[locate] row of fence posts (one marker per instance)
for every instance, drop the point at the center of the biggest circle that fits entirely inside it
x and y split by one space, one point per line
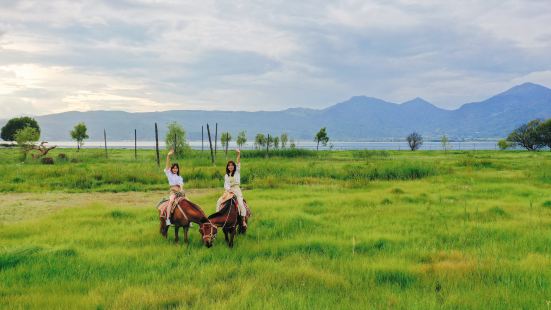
157 152
213 151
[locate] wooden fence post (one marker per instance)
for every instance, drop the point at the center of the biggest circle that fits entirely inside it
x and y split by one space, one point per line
210 144
215 139
135 144
105 141
157 145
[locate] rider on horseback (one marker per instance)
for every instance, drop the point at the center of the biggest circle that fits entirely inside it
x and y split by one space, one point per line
232 179
176 184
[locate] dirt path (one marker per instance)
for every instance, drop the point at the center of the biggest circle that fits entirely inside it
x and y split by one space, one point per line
15 207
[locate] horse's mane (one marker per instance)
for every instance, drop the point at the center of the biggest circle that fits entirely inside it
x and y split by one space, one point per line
222 211
196 207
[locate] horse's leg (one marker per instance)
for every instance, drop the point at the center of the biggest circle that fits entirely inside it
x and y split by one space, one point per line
163 228
232 235
176 229
226 235
186 240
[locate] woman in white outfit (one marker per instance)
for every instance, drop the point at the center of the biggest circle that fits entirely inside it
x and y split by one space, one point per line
176 183
232 180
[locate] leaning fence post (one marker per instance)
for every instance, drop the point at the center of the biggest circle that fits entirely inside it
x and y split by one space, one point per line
210 144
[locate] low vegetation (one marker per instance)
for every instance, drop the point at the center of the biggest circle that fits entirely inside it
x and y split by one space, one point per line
354 230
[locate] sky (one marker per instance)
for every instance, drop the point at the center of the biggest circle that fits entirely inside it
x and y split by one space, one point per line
146 55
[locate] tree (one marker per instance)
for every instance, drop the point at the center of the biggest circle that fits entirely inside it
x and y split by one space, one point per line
176 139
276 142
225 139
292 144
241 139
503 144
445 142
269 141
284 139
259 141
79 134
322 137
25 138
545 132
528 136
415 141
15 124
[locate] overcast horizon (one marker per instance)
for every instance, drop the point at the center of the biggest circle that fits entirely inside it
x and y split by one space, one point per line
146 56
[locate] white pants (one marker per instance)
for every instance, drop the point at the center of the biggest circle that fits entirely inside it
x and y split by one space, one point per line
240 204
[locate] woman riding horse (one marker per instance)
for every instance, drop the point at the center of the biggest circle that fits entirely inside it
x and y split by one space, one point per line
176 185
187 212
232 179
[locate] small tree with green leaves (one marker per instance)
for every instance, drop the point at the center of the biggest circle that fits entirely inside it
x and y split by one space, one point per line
415 141
176 139
259 141
503 144
241 139
225 139
269 141
25 139
322 137
445 142
292 144
276 142
79 134
284 139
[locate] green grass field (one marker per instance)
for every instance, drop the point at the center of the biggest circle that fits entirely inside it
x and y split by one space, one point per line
339 230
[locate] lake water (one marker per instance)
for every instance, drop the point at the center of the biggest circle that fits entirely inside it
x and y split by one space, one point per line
335 145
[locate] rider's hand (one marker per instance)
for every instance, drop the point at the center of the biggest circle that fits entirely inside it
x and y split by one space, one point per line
171 152
238 151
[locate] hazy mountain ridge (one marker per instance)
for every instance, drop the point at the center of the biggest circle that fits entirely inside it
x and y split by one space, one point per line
359 118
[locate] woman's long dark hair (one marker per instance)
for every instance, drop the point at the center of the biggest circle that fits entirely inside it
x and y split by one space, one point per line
228 169
177 166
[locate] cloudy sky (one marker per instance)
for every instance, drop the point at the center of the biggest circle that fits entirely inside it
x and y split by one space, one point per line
150 55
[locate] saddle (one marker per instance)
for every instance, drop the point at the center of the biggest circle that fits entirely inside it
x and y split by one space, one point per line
227 196
164 202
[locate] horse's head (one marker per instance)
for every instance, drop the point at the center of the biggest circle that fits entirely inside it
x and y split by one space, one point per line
208 231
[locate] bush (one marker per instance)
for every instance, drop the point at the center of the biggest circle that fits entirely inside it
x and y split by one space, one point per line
47 161
503 144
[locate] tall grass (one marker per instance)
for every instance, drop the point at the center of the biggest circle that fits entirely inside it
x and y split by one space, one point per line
345 230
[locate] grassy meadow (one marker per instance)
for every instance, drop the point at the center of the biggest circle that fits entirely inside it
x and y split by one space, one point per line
330 230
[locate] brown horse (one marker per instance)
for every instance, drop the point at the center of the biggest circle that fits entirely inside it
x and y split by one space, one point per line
228 218
185 213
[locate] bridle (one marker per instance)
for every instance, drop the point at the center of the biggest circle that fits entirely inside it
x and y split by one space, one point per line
212 235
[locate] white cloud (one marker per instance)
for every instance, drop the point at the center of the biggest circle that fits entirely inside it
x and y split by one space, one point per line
157 55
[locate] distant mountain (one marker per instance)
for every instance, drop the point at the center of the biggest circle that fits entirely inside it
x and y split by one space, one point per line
359 118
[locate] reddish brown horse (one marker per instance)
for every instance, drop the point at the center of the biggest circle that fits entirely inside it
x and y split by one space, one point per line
185 213
229 219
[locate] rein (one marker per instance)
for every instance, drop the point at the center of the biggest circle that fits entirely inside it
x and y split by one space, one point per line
228 215
211 234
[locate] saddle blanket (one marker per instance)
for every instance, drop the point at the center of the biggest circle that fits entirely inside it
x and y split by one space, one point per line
164 202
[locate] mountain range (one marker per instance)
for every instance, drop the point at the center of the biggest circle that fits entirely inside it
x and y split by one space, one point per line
360 118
